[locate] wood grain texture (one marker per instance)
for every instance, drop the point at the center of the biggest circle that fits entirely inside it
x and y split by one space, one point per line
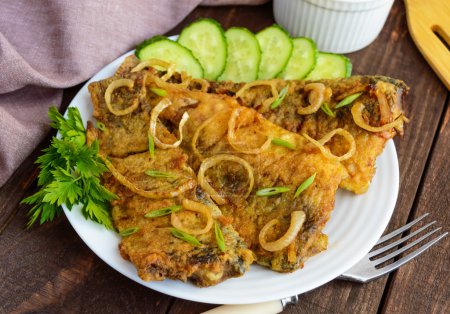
422 286
49 269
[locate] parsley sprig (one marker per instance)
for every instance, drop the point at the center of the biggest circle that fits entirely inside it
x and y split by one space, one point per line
70 174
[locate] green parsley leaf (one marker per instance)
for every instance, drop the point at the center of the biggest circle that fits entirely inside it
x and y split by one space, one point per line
70 174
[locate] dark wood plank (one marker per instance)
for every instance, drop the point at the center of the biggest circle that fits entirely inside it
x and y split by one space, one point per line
422 285
48 269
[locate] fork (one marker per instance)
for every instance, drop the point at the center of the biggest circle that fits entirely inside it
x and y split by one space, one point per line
367 269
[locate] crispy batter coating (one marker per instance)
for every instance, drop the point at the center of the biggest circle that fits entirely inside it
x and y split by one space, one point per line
154 251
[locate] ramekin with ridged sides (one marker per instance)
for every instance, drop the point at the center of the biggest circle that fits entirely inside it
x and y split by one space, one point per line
339 26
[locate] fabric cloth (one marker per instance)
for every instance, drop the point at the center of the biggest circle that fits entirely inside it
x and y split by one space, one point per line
49 45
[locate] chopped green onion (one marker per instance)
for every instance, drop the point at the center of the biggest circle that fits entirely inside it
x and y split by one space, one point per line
347 100
185 237
101 126
159 174
280 142
219 237
327 110
305 185
158 91
151 145
280 97
129 231
272 191
163 211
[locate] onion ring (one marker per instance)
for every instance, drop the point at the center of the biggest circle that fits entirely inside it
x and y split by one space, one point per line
188 185
195 207
108 96
197 133
163 104
320 144
214 160
297 220
315 98
232 128
266 102
357 110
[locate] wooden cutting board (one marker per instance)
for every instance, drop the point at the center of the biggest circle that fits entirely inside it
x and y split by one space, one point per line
429 25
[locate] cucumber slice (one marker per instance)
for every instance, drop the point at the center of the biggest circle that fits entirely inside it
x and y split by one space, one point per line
206 40
276 47
330 66
302 61
244 56
160 47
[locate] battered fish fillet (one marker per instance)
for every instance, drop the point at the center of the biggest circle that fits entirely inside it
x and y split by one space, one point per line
274 166
155 252
369 145
379 95
125 140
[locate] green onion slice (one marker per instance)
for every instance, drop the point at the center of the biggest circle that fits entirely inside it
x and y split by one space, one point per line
280 142
347 100
327 110
159 174
185 237
305 185
129 231
158 91
101 126
163 211
219 237
280 97
151 145
272 191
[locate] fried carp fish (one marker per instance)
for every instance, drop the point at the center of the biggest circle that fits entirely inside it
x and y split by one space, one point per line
377 105
154 191
222 146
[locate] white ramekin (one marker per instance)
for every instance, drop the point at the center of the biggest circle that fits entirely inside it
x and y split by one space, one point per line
339 26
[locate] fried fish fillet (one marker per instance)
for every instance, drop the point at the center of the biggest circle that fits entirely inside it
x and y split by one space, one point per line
274 166
125 139
382 96
155 252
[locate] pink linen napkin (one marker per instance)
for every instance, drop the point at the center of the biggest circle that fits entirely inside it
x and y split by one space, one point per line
53 44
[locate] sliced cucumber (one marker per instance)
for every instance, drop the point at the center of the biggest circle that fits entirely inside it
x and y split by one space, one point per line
276 48
243 57
330 66
206 40
162 48
302 61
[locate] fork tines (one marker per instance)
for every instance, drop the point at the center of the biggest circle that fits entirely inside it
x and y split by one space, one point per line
403 260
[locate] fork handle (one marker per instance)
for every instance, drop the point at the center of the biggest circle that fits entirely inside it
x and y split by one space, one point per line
271 307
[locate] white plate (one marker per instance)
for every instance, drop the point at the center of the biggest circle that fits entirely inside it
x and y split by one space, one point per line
356 224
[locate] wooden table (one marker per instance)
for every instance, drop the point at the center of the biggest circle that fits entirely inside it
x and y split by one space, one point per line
49 269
